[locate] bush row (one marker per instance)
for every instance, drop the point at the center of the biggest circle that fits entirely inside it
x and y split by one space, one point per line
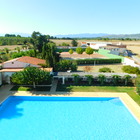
98 61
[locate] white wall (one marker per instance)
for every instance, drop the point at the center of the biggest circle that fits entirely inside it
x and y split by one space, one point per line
130 62
6 76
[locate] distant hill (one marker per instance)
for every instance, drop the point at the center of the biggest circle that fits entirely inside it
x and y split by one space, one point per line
84 35
133 36
103 35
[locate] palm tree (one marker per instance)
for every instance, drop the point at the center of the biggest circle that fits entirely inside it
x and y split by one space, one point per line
115 79
76 78
101 78
127 79
89 78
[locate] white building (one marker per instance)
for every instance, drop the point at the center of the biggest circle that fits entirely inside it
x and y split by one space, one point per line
95 45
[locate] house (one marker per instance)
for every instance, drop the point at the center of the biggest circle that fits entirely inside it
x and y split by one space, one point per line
18 64
23 62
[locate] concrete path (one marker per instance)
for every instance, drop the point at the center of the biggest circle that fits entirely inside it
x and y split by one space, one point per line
54 85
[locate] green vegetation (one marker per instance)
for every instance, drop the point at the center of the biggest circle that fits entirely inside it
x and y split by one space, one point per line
137 83
64 44
101 79
89 51
105 69
27 88
14 40
131 69
97 61
71 51
129 90
76 78
31 76
89 79
64 65
50 55
74 43
79 50
38 40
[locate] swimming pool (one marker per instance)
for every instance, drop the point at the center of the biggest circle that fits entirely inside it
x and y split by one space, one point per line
66 118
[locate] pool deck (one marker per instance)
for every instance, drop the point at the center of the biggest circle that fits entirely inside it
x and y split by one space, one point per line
133 107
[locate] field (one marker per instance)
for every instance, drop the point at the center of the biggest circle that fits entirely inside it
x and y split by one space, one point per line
116 68
134 46
11 47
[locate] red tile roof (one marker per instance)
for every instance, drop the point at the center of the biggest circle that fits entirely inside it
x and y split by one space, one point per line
31 60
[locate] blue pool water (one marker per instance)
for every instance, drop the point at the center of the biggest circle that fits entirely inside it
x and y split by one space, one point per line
66 118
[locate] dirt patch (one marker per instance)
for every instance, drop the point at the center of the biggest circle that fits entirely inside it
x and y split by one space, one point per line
79 56
11 47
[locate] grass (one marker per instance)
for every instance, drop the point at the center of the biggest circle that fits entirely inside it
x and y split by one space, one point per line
129 90
21 88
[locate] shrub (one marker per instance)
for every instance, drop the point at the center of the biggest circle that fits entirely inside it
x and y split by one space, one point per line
87 68
104 69
79 50
131 69
65 44
89 50
98 61
71 51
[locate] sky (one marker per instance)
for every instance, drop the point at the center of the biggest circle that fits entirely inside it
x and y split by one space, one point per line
56 17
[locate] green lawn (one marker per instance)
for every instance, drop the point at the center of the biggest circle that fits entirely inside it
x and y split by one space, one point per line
129 90
21 88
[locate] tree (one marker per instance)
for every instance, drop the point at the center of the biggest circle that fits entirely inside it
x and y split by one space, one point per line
71 51
31 76
127 79
79 50
89 51
52 57
38 40
89 78
64 65
115 79
137 84
74 43
6 50
76 78
101 79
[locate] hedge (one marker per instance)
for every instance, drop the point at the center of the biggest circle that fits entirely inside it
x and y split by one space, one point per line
98 61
